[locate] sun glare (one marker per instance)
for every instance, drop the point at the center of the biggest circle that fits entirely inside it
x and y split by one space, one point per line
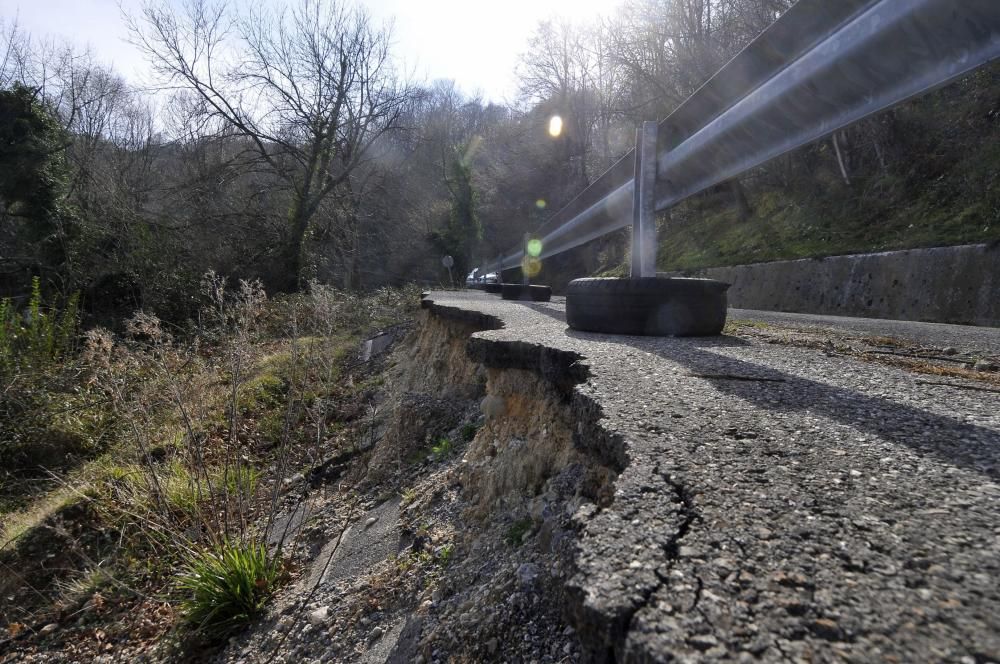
555 126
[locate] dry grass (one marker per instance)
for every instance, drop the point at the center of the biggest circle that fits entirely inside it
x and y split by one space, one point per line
903 354
207 426
14 525
930 368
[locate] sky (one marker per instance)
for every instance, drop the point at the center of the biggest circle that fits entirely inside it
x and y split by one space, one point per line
474 42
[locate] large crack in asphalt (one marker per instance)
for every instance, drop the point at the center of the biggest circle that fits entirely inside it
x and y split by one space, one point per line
621 650
836 511
605 631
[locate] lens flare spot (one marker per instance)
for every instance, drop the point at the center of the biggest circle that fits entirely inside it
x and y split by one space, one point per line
540 204
534 248
531 266
555 126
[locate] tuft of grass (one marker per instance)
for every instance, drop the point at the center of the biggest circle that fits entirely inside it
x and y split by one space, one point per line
182 490
266 392
240 480
227 587
443 449
444 554
469 431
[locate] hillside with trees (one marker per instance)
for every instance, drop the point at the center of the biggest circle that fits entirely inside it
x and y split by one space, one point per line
287 146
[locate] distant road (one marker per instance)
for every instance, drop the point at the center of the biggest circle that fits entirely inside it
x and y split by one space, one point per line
966 338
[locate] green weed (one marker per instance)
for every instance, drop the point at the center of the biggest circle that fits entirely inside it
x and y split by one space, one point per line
443 449
469 431
39 338
444 554
227 586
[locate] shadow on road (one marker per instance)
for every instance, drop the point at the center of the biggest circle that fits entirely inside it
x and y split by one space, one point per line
928 433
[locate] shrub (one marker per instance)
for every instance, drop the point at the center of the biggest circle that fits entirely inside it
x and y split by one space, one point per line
227 586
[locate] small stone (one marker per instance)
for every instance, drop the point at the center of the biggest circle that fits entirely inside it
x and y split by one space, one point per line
949 351
725 566
790 579
763 533
826 628
48 629
319 616
371 522
375 634
491 646
984 365
703 641
527 574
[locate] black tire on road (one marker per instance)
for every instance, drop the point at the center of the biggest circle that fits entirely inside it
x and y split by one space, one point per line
655 306
523 292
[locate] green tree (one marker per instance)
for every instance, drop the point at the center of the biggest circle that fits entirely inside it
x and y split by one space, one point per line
34 224
462 231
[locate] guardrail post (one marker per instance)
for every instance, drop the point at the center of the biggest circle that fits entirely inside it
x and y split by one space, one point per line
644 202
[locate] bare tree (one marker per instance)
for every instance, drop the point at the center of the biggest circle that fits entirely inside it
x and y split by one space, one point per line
556 71
15 60
311 87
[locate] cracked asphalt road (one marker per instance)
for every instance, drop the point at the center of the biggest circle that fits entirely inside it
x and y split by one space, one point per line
773 502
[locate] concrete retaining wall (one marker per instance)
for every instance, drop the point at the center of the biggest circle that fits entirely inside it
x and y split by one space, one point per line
943 285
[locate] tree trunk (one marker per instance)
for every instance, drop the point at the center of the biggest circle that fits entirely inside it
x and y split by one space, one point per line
295 279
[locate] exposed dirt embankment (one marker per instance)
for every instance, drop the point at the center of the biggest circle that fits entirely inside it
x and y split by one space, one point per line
460 542
435 360
527 440
533 425
508 499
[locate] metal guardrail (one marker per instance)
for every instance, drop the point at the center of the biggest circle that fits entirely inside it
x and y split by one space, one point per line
823 65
